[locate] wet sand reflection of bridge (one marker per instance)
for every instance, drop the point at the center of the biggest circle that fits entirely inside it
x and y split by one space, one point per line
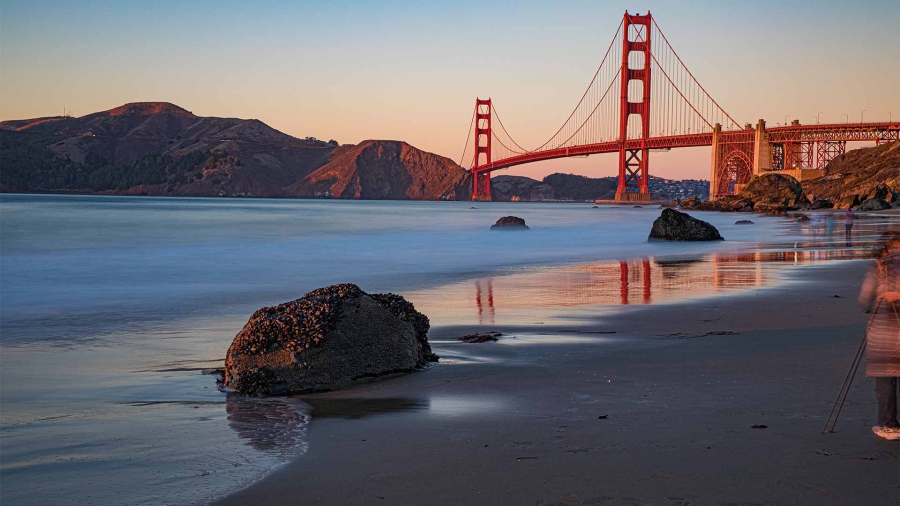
642 281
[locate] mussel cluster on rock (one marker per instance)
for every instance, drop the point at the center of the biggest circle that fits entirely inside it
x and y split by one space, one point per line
294 325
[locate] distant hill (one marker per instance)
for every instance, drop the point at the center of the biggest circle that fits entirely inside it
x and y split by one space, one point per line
504 188
570 186
158 148
385 170
556 186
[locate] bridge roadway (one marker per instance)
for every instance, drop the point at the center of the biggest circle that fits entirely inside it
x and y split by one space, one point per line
834 132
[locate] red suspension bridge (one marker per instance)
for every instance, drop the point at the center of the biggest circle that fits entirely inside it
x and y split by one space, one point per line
644 98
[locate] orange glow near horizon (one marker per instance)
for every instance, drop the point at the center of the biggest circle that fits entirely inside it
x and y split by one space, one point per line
411 72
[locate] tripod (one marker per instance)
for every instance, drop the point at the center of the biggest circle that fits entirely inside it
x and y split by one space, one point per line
845 386
848 379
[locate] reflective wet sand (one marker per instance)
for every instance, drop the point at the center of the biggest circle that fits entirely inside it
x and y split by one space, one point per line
533 295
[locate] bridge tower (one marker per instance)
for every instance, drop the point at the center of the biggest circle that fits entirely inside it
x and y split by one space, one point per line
482 131
633 163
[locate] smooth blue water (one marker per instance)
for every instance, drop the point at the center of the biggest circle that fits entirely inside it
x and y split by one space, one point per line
73 266
110 308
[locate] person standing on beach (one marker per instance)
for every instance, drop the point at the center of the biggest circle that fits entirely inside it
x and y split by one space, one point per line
881 294
848 221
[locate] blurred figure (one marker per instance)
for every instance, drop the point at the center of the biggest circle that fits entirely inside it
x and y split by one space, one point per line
881 296
829 224
816 222
848 222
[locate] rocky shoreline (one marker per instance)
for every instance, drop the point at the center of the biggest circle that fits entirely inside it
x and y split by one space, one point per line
779 193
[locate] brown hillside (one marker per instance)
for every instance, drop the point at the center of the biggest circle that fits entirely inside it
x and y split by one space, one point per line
384 170
24 124
148 108
158 148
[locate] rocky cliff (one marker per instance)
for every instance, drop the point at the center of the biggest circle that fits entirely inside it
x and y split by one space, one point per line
158 148
858 175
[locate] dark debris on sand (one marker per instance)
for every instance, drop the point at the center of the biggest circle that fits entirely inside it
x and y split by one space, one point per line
481 338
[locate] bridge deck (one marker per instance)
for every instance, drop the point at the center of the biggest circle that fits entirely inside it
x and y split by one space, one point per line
791 133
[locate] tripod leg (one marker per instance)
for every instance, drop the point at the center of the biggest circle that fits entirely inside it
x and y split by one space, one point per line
845 386
852 375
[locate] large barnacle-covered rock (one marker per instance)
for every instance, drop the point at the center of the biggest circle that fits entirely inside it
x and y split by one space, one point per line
673 225
327 339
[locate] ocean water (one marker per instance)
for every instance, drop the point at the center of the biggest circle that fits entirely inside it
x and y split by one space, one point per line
113 308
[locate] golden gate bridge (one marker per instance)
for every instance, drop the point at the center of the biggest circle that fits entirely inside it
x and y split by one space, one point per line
644 98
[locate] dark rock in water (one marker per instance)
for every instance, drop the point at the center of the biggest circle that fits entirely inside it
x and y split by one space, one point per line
638 206
731 204
726 204
744 222
473 208
768 185
596 207
673 225
689 203
874 205
803 217
773 204
325 340
481 338
509 223
821 204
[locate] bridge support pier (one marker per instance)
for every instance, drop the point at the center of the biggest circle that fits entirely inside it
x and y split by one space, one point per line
481 184
732 162
763 150
633 173
827 151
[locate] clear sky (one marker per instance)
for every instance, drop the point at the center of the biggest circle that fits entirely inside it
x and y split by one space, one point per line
352 71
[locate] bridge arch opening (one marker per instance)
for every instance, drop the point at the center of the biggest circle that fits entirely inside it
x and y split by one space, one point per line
736 169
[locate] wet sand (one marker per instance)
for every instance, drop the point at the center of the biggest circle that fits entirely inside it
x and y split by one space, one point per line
521 421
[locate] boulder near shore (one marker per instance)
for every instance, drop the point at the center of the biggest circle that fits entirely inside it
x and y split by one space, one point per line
327 339
674 225
772 184
510 223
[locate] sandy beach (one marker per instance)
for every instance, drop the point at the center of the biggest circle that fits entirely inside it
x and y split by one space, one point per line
659 412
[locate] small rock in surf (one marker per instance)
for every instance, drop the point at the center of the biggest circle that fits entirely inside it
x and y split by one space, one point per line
509 223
